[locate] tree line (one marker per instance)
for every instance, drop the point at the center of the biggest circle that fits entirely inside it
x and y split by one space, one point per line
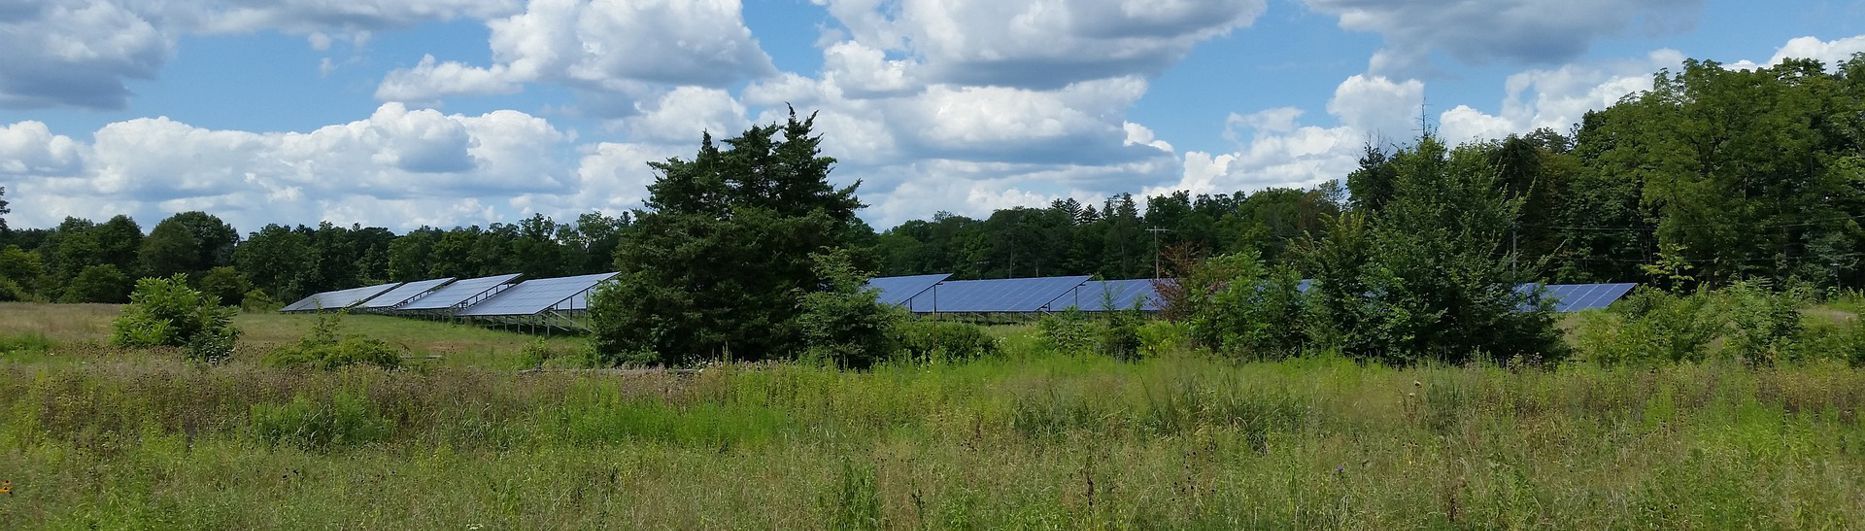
1713 175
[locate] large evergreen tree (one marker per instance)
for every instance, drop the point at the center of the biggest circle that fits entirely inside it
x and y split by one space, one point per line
718 263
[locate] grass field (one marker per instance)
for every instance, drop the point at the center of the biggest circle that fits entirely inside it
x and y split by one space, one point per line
96 437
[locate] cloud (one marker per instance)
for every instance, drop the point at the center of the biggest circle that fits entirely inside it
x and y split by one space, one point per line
1039 43
77 53
1517 31
83 53
680 115
598 45
1556 98
414 158
1830 52
30 148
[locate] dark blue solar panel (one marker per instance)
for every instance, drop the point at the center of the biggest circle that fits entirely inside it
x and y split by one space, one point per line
404 293
1105 295
1014 295
457 293
533 297
897 290
340 299
1570 298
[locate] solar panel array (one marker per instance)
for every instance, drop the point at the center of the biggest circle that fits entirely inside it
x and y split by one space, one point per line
898 290
457 293
1013 295
532 297
1110 295
337 300
404 293
1570 298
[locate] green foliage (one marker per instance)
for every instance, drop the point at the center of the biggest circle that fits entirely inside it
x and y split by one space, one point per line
327 347
212 348
256 300
188 242
855 502
932 340
1120 335
844 323
98 283
21 273
1160 337
719 265
340 420
1749 321
166 312
1766 323
27 342
227 285
1068 331
1432 275
1237 307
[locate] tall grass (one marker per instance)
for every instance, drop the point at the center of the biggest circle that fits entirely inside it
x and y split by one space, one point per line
1052 441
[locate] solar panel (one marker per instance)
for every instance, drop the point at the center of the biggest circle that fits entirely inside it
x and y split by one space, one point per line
1569 298
1105 295
532 297
898 290
457 293
340 299
1015 295
404 293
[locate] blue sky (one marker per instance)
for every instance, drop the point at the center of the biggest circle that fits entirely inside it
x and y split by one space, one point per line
402 113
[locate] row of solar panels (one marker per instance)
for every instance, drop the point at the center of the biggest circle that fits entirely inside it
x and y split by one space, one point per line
494 296
936 294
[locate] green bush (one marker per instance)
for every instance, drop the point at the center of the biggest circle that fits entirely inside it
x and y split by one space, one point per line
346 419
27 342
165 312
1652 326
1765 324
256 300
327 347
211 348
845 323
925 341
98 283
1160 337
1238 307
1120 336
226 284
1068 331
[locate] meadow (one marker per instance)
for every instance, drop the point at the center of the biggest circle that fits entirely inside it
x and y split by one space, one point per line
93 436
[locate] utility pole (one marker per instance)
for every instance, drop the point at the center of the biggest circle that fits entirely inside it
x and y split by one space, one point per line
1156 231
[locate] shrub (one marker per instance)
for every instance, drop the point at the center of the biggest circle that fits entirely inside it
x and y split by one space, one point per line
98 283
1765 323
845 323
345 419
925 341
211 348
1239 308
1120 337
226 284
1069 331
27 342
165 312
1651 326
257 300
326 347
1161 337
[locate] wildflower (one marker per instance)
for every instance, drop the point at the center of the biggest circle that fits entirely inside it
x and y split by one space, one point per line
6 487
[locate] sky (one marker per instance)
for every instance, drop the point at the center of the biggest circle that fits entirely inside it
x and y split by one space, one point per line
404 113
